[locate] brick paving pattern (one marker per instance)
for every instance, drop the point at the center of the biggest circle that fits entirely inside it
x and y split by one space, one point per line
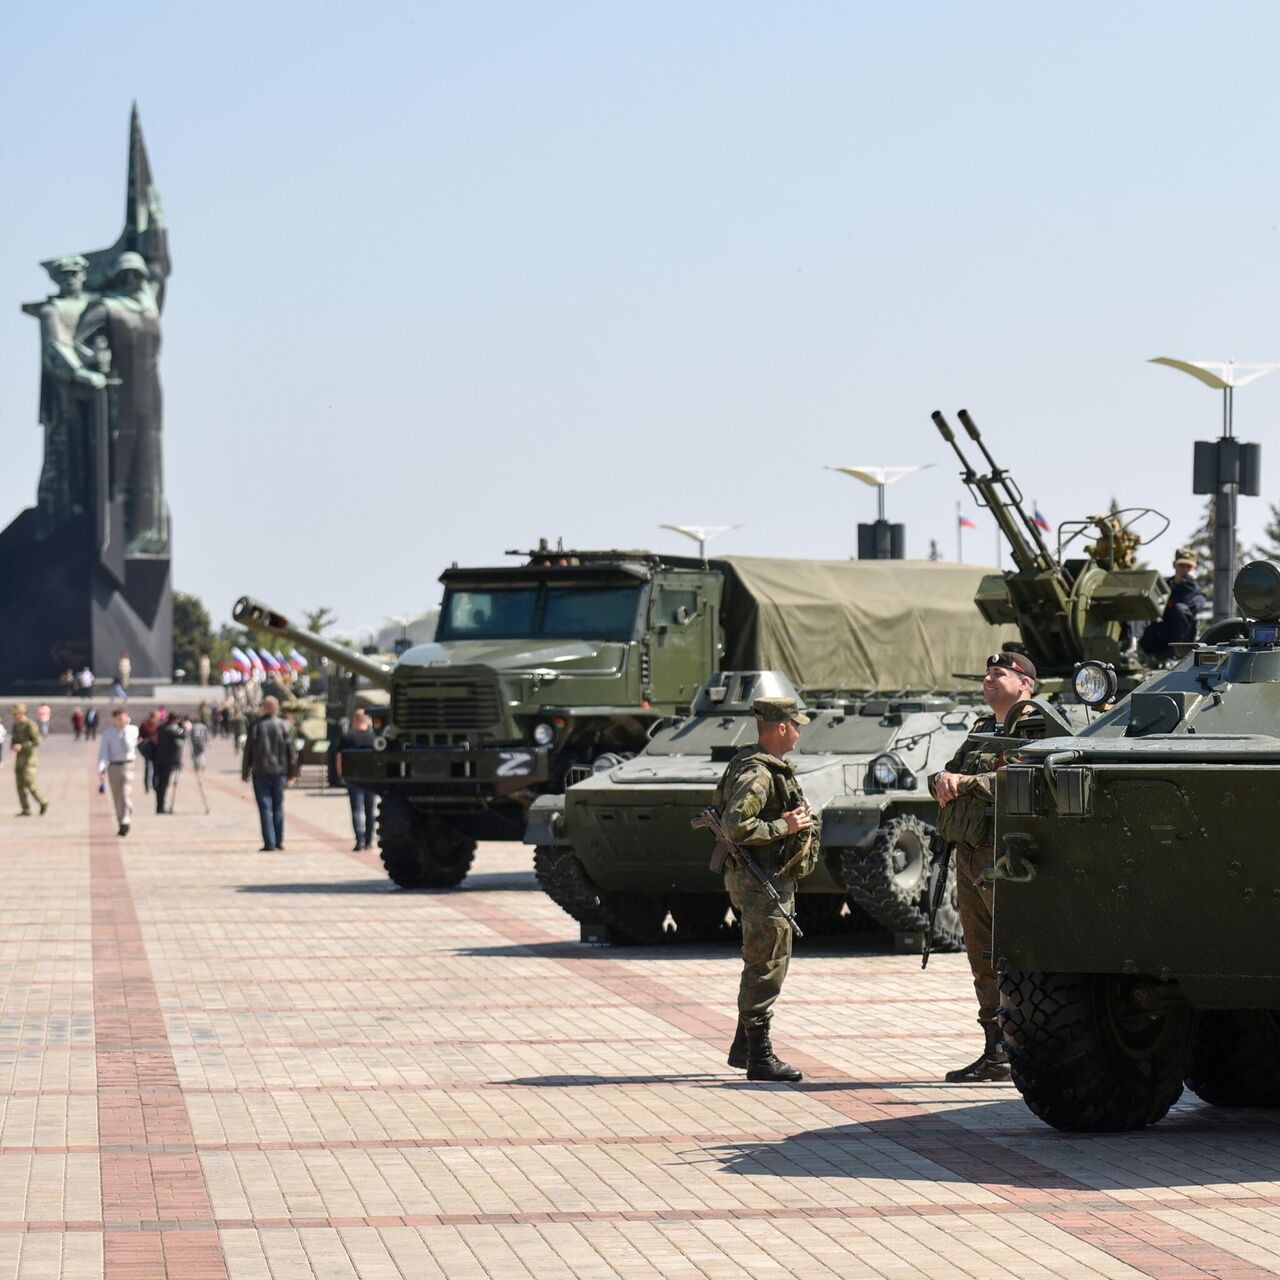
216 1062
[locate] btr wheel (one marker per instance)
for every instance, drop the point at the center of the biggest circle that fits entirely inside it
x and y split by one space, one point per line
889 880
420 852
1235 1058
1094 1053
635 917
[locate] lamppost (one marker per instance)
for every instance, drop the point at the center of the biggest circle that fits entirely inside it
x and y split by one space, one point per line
881 540
701 534
1224 467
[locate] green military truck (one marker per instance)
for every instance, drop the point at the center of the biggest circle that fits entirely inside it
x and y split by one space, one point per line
546 671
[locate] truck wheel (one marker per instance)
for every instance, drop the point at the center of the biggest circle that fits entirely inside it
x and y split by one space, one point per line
561 877
889 880
1094 1052
1235 1058
420 852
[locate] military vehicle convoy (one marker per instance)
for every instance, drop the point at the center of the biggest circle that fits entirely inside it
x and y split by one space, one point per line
545 671
1136 899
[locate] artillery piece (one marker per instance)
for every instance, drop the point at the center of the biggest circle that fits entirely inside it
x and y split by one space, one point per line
1068 609
356 680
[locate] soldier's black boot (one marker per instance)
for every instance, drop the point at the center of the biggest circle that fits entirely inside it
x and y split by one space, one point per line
992 1066
762 1063
738 1049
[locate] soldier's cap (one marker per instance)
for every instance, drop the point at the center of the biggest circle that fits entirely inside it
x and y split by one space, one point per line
1018 662
130 260
19 708
73 262
1184 555
775 710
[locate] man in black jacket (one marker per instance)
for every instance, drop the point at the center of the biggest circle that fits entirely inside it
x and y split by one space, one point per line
1186 600
271 759
167 758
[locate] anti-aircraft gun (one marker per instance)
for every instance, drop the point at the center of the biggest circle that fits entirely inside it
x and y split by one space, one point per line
355 679
1069 610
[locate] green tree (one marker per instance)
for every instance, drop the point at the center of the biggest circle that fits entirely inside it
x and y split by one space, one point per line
1270 548
192 635
317 619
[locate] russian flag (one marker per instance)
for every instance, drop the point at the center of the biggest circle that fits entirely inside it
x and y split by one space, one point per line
966 523
1040 522
297 661
281 660
256 658
267 660
241 660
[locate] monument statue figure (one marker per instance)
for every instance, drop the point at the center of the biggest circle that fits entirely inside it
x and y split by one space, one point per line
124 324
85 573
68 394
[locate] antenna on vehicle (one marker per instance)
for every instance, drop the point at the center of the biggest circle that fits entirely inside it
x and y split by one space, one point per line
701 534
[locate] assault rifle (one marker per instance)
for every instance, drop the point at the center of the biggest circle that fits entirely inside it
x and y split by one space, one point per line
709 820
940 852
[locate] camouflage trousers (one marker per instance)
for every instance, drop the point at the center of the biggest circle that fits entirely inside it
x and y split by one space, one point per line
766 942
25 778
973 898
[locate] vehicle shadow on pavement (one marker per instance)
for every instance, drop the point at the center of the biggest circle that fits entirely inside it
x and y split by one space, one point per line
586 1081
831 948
1002 1143
507 882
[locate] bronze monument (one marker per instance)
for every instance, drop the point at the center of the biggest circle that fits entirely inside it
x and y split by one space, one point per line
85 572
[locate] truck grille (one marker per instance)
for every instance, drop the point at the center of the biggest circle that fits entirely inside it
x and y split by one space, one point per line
441 705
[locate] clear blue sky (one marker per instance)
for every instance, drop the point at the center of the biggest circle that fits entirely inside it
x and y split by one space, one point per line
451 277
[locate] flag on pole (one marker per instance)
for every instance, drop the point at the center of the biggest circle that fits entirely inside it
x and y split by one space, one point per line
297 661
241 660
1040 522
965 523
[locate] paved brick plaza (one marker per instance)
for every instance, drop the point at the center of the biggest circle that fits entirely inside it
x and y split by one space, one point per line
218 1062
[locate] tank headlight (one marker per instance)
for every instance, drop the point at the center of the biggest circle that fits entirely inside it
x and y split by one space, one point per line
884 771
543 734
1095 683
380 742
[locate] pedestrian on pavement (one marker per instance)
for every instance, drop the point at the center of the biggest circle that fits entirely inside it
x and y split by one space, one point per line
4 737
44 715
116 754
198 736
77 722
147 732
124 671
171 737
965 790
363 801
26 747
271 760
765 817
91 723
86 679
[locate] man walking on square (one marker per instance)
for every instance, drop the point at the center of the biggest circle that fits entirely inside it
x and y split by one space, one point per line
26 745
271 760
117 750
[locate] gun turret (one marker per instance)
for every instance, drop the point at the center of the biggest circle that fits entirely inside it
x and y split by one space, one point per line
254 614
1067 611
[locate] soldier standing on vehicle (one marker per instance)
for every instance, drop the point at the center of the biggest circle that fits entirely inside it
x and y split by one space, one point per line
764 813
965 789
26 744
1186 601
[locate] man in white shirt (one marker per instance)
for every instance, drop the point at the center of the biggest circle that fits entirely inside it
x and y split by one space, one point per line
117 750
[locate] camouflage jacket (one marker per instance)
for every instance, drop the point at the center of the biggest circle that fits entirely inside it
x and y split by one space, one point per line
756 790
26 742
970 818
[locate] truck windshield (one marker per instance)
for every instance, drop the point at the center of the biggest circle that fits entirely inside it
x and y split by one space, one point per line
559 613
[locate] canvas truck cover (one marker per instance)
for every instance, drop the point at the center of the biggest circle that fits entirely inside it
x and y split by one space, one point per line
883 625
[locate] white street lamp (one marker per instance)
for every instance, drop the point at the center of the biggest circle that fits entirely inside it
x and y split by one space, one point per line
701 533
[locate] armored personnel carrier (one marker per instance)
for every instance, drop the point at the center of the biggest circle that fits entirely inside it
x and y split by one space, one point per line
617 852
1135 905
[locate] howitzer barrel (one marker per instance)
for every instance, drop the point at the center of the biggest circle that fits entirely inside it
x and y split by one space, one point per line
260 617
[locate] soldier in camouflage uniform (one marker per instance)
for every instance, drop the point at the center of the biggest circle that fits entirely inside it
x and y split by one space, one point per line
26 742
966 790
764 813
